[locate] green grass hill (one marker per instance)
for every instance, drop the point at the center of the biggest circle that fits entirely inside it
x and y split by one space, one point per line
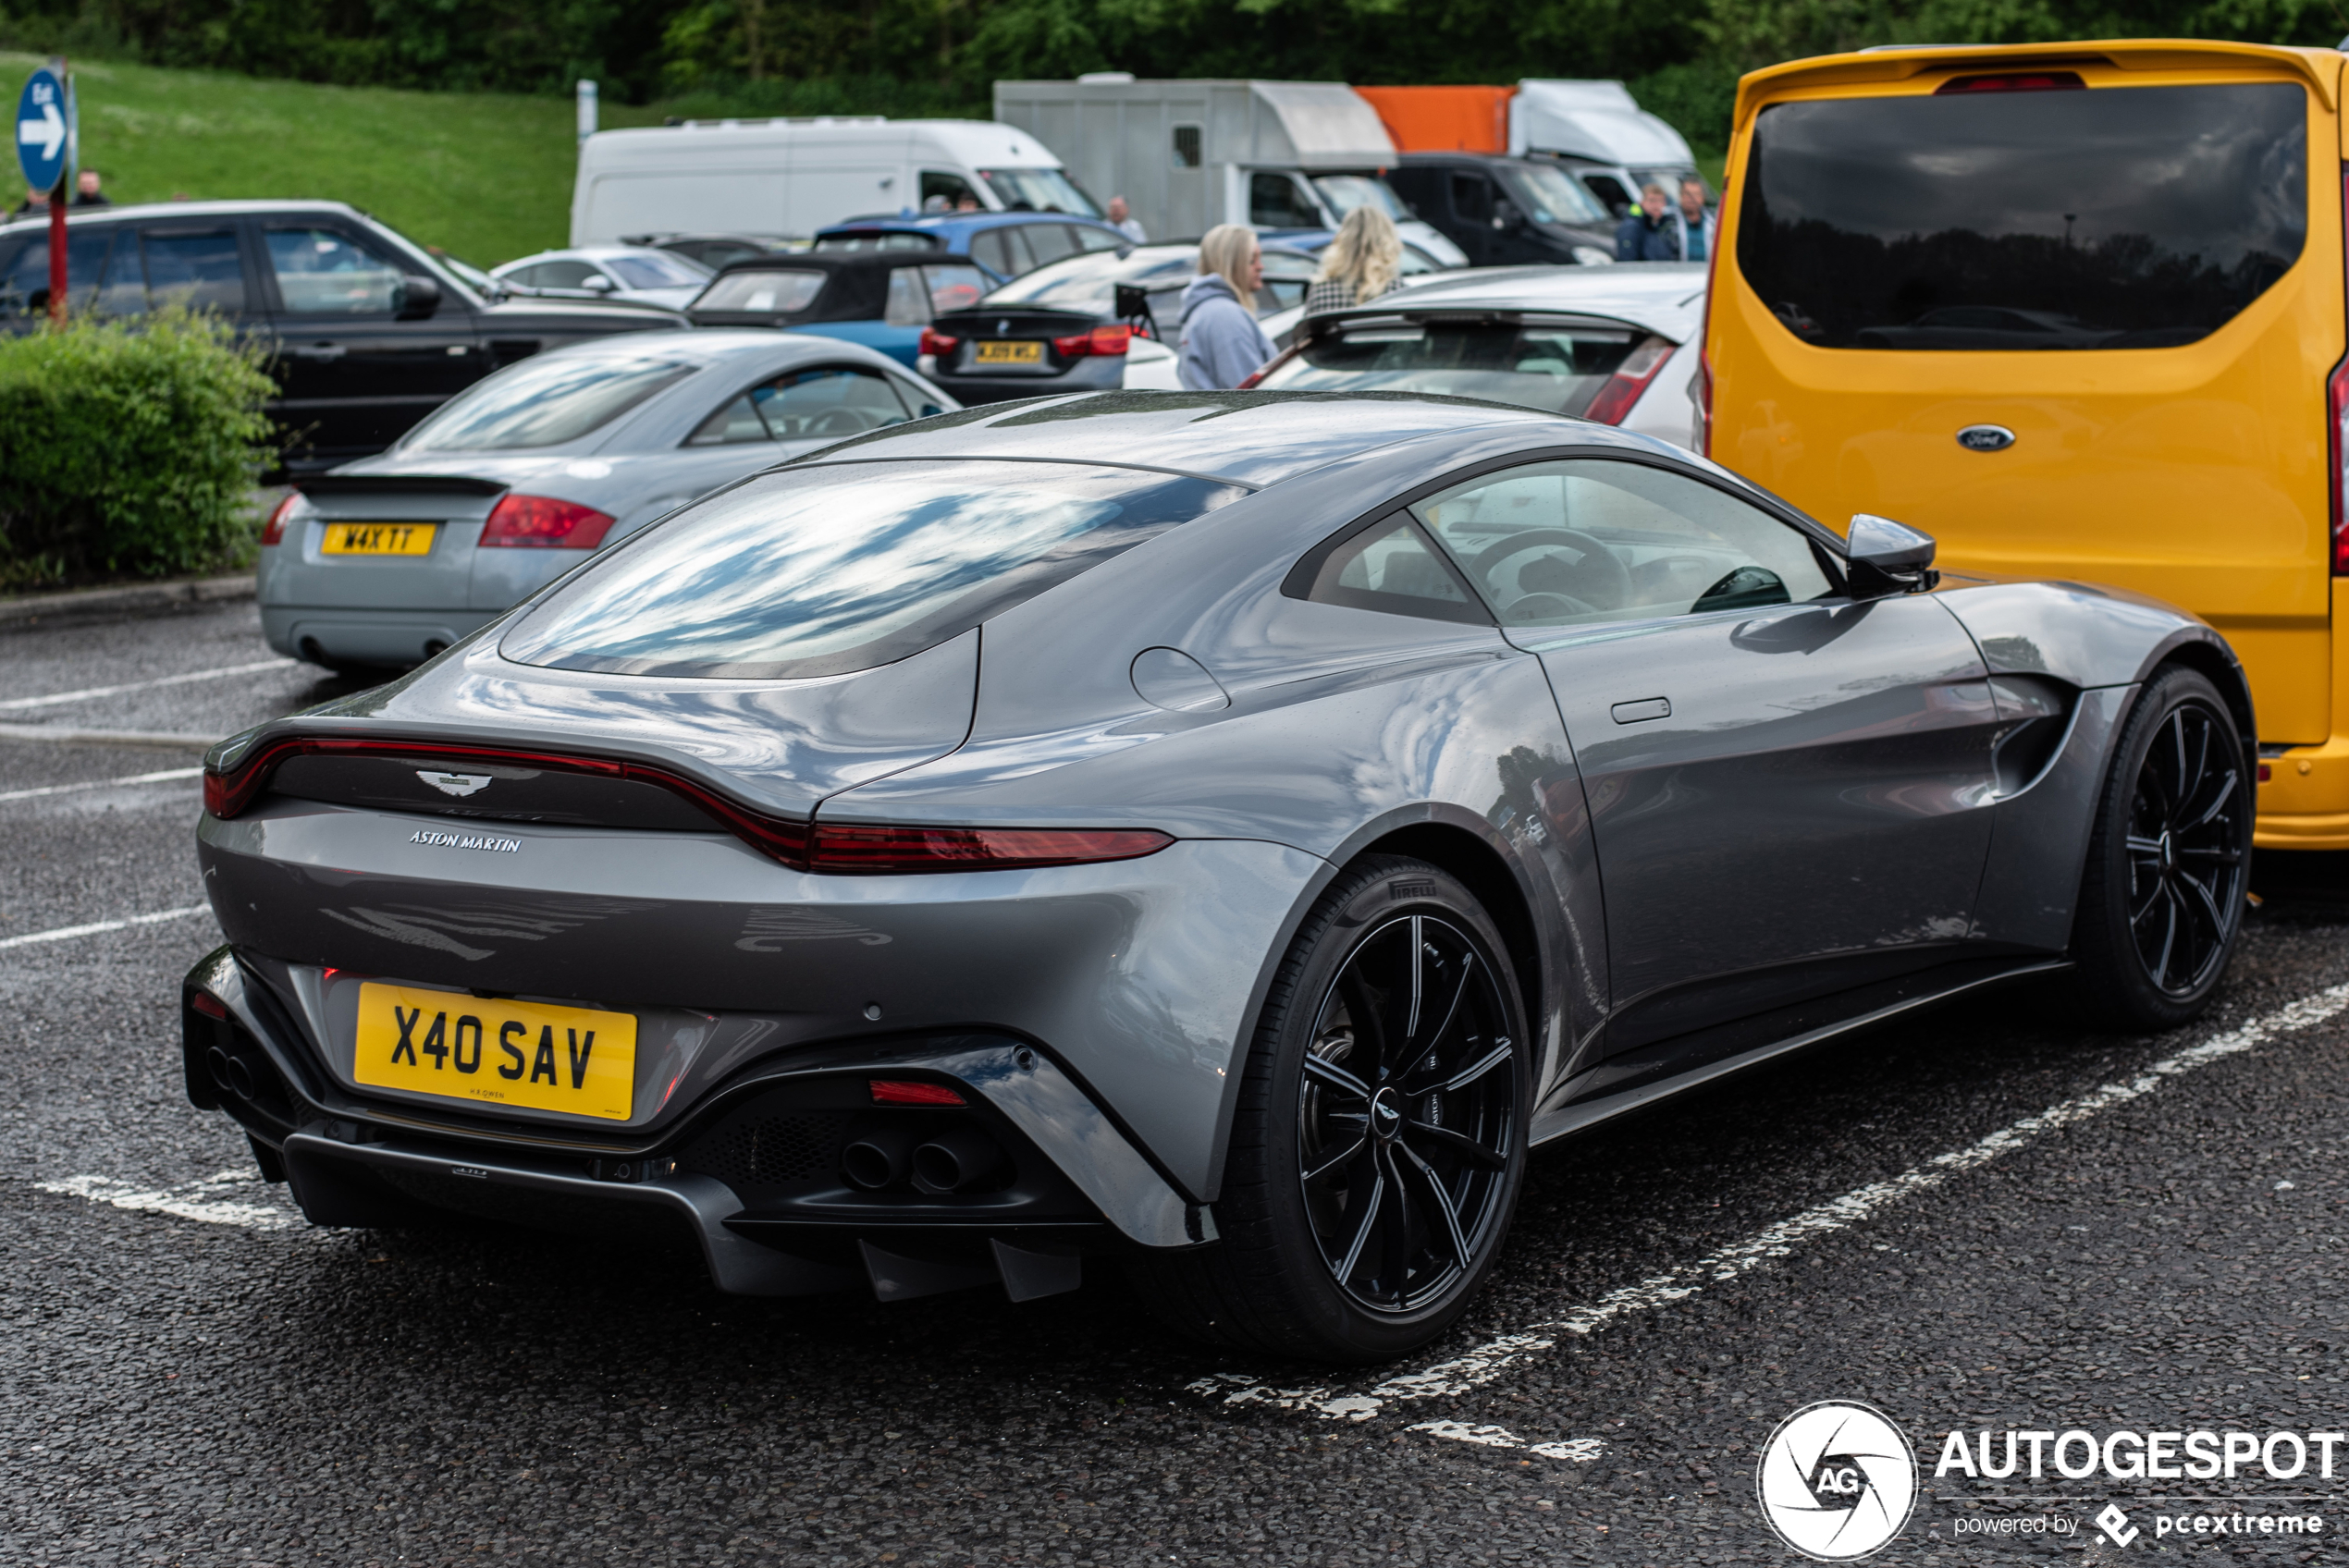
486 176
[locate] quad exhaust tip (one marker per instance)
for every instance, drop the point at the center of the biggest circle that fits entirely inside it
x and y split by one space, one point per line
886 1153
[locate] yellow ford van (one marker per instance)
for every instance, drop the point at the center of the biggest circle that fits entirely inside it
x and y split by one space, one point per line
2077 310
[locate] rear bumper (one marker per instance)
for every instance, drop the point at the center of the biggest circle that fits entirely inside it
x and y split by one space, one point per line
367 636
749 1176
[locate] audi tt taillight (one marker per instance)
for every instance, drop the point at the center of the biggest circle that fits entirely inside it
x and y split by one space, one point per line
542 522
295 507
1630 379
1101 340
938 344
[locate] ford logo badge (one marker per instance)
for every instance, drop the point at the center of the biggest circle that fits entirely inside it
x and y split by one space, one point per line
1986 437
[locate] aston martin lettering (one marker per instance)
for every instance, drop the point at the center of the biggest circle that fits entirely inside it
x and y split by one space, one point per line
440 840
459 784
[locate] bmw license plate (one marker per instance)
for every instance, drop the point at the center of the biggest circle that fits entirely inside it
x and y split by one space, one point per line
379 538
1008 351
465 1048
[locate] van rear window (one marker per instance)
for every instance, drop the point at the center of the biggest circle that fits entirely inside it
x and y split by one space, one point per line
2137 218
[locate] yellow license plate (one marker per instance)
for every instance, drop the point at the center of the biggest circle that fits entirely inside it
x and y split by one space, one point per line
1006 352
379 538
461 1048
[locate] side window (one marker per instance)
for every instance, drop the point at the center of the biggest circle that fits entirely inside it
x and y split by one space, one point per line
1388 567
1091 238
944 192
199 269
322 272
908 303
1472 197
1048 242
1274 201
919 403
953 287
732 425
564 274
122 288
990 252
24 269
1595 540
1610 189
1187 146
835 401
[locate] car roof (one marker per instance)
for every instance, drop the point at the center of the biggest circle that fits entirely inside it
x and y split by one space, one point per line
198 210
704 345
1665 298
946 223
808 260
1254 438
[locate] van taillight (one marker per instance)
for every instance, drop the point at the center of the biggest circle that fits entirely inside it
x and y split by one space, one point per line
2019 81
2337 433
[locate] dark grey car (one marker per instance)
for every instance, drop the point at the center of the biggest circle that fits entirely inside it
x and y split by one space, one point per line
1223 831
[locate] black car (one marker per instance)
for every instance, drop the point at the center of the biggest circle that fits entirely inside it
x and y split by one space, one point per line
1062 328
370 331
1507 212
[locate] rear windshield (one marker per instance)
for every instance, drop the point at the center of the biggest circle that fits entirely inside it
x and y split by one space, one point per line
821 570
1557 369
542 402
766 288
2136 217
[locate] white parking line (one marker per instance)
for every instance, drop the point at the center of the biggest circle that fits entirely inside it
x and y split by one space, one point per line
88 691
62 735
65 933
209 1200
166 776
1574 1451
1484 1362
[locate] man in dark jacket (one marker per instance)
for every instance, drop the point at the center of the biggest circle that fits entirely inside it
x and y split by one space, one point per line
1646 235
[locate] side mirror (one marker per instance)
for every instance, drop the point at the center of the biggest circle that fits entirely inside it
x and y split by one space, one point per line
1888 557
1506 215
419 296
597 283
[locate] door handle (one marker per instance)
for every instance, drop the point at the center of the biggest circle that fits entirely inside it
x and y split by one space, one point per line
325 352
1641 711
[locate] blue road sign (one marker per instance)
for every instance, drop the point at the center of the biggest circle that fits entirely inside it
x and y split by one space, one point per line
44 129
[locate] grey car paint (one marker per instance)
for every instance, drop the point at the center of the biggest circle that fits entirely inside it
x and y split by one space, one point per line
1177 686
394 609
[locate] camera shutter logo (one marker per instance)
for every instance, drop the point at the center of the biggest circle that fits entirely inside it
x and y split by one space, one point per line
1836 1481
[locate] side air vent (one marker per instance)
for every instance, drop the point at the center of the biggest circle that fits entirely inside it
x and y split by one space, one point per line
2036 714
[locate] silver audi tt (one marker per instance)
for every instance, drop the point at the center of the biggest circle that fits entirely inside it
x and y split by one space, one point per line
1220 832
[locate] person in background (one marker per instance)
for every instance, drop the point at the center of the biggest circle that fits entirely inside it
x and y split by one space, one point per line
1646 235
86 191
1694 224
1361 263
34 202
1121 218
1222 345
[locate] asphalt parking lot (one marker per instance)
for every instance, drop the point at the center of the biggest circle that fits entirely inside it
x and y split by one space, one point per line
1985 1219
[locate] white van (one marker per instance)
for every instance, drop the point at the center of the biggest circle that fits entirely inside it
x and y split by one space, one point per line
1598 131
793 176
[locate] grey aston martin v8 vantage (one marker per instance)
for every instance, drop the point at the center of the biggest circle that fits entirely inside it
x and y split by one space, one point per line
1221 832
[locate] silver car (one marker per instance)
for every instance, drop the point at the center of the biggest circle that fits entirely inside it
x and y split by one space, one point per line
1221 832
387 560
636 275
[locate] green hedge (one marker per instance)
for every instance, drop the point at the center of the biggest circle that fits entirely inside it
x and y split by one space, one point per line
129 451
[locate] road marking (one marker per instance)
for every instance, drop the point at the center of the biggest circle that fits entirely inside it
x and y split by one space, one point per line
1482 1363
208 1200
16 702
166 776
66 933
60 735
1574 1451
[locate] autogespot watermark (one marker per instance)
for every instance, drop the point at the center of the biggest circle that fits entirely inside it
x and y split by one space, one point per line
1838 1481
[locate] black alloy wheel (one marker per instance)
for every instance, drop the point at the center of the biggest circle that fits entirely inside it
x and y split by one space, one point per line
1406 1113
2162 897
1379 1141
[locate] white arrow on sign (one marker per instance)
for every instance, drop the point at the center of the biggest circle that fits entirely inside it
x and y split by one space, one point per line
48 131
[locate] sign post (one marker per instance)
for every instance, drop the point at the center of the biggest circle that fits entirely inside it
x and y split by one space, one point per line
45 149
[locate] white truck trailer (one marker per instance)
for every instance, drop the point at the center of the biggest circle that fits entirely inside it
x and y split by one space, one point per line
1189 154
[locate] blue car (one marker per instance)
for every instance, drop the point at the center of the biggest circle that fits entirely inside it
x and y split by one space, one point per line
1004 245
883 301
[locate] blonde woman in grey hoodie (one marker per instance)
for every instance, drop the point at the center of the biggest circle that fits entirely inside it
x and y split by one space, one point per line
1222 345
1360 265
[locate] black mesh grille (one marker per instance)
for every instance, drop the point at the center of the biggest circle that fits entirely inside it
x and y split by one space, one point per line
757 1147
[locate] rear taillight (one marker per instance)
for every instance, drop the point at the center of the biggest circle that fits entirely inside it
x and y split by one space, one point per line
846 849
885 849
938 344
542 522
294 505
209 1005
1630 379
2337 430
1101 340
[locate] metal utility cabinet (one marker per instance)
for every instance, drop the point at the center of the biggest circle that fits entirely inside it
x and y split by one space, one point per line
1187 155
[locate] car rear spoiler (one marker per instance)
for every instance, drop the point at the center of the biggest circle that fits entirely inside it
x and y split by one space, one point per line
399 484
